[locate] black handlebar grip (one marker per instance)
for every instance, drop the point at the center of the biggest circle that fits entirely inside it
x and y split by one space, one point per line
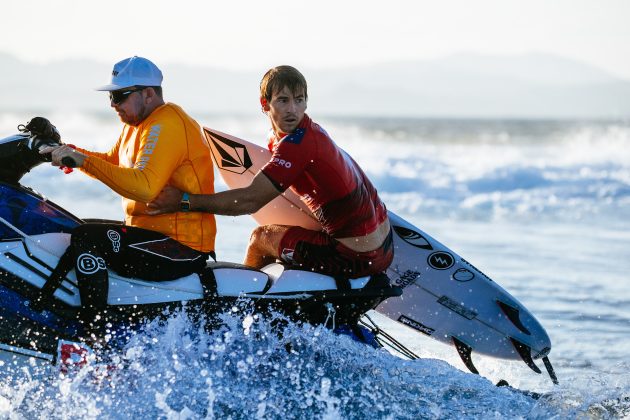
68 162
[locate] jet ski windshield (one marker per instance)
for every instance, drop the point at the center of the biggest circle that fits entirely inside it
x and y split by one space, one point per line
23 211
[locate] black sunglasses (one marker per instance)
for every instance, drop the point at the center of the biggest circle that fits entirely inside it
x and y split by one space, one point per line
117 97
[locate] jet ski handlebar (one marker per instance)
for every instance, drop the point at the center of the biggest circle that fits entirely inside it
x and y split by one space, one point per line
43 133
19 153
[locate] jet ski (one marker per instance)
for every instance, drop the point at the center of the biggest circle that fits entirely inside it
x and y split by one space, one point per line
35 232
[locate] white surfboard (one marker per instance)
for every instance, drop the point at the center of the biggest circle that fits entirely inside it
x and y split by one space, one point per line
444 296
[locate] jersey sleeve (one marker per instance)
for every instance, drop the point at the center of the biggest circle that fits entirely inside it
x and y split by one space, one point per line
161 150
288 161
111 156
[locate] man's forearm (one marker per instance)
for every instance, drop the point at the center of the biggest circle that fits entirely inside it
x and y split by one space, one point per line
227 203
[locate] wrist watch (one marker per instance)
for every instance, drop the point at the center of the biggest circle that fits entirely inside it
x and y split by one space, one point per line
184 205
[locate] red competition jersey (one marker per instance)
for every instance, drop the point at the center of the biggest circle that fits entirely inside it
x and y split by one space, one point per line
330 183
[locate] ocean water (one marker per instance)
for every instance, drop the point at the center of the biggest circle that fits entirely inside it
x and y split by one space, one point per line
542 207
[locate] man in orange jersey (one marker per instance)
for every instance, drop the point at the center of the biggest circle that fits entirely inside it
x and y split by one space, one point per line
160 145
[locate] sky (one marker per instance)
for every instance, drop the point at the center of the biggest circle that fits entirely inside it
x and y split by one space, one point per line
255 35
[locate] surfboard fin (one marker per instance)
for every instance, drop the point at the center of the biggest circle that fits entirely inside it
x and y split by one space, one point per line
526 354
513 315
465 352
550 370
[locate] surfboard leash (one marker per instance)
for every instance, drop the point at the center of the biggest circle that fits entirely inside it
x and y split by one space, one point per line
386 340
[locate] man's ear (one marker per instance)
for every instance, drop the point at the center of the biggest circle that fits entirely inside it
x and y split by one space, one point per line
150 94
264 104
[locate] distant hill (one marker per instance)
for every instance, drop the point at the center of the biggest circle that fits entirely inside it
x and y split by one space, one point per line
464 85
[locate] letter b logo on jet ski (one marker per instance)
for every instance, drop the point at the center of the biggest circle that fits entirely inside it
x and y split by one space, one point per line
89 264
441 260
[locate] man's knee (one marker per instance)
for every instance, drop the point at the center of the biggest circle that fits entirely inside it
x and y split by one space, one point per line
266 238
256 234
263 233
258 238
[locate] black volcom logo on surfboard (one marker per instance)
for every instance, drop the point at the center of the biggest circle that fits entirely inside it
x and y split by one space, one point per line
441 260
229 155
413 238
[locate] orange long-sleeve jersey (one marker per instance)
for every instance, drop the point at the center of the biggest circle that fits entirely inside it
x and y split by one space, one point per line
168 147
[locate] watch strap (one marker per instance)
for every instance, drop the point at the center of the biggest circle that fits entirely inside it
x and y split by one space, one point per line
184 205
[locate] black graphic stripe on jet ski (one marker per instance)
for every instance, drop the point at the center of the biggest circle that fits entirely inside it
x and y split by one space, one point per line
28 291
26 265
43 264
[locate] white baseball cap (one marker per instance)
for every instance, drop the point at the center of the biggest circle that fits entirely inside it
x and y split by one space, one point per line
133 71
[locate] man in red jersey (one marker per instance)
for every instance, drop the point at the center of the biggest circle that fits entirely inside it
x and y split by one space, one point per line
356 238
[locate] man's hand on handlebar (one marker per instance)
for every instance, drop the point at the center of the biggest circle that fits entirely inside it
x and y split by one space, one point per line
64 155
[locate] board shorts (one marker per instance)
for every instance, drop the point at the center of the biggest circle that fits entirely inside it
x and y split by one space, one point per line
317 251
